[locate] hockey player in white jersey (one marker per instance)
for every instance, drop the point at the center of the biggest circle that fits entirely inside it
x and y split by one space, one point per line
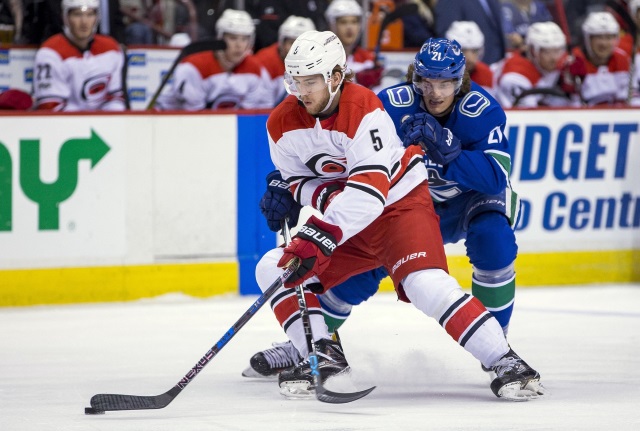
228 79
79 70
338 149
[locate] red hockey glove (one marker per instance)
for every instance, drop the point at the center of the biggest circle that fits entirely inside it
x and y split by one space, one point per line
578 68
313 245
370 78
572 73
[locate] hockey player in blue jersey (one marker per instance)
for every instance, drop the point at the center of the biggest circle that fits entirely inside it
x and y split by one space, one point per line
461 129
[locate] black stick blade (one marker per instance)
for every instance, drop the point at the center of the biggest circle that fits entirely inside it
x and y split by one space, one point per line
327 396
111 402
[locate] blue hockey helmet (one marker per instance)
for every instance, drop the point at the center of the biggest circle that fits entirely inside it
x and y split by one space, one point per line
439 58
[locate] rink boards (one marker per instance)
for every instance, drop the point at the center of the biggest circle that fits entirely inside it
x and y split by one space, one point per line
118 207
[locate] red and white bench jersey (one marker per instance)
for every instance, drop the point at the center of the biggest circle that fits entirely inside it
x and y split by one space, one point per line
200 82
605 84
360 60
519 74
483 76
269 57
68 79
356 147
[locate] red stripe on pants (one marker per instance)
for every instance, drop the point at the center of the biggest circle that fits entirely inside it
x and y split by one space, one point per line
289 306
460 321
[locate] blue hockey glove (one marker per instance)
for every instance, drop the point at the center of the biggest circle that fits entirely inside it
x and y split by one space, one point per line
277 203
437 142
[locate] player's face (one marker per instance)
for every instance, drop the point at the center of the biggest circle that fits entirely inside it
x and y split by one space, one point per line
237 47
348 29
81 23
314 92
437 94
602 46
548 58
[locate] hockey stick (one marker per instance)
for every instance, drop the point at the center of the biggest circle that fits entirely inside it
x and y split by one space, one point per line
109 402
551 91
201 45
397 13
322 394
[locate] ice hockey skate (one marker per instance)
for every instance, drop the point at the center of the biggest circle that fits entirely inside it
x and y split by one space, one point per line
490 373
298 382
270 362
515 379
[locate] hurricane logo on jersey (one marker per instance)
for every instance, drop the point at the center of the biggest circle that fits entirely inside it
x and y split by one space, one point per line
95 87
327 165
226 101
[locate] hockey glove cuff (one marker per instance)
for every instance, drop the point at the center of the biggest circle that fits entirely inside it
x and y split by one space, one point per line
325 194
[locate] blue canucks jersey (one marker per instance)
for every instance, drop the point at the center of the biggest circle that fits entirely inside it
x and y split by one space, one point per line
478 121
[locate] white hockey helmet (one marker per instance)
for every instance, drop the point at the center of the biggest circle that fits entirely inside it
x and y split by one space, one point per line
600 23
340 8
235 22
467 34
293 27
314 53
545 35
68 5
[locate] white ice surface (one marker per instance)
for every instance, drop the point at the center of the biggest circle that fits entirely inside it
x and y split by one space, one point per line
585 342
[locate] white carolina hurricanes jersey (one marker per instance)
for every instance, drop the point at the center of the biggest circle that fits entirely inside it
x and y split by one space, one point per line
199 82
356 147
605 84
68 79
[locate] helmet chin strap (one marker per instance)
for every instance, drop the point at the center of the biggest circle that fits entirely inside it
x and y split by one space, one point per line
332 94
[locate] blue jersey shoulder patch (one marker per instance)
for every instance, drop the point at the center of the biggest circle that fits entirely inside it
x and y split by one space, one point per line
400 96
473 104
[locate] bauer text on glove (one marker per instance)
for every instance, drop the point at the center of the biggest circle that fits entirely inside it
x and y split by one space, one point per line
312 245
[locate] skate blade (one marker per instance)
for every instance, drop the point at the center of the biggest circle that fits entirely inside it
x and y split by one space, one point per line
297 390
522 391
253 374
